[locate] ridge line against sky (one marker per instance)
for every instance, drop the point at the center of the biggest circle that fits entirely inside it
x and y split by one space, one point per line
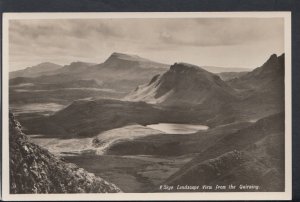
222 42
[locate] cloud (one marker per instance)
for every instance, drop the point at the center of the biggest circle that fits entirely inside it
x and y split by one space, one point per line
224 32
63 40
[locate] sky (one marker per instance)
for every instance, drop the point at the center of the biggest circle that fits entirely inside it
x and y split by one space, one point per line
222 42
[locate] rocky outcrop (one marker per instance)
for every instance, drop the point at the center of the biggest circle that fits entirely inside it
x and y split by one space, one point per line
35 170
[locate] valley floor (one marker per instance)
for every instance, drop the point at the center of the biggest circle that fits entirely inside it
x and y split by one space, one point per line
139 159
133 174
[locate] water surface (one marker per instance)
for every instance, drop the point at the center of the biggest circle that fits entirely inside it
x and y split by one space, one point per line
35 108
174 128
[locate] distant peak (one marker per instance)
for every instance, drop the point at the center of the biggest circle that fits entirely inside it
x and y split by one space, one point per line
80 63
185 66
44 65
272 59
77 62
47 63
273 56
124 56
121 55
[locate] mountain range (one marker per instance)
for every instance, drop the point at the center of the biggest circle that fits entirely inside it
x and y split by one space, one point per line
115 60
120 71
46 68
196 94
244 113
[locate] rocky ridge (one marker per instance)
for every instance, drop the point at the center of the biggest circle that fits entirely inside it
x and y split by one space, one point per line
35 170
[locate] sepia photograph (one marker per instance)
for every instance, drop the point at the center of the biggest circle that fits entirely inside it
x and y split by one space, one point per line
163 105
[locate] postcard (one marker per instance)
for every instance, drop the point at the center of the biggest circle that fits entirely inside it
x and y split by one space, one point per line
147 106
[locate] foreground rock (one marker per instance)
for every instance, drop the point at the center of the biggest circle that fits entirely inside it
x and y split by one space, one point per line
35 170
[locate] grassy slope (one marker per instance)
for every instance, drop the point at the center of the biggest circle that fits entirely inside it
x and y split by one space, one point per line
88 118
254 154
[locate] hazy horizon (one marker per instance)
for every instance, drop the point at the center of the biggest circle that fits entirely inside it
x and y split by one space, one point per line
220 42
145 58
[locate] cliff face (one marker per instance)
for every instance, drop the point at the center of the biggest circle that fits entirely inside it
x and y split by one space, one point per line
35 170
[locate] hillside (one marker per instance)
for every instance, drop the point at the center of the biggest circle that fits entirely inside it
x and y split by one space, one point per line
268 76
121 72
217 70
125 72
46 68
262 90
123 61
226 76
240 96
39 84
35 170
252 155
82 117
75 67
184 84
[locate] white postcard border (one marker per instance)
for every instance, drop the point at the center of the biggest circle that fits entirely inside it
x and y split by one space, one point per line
286 195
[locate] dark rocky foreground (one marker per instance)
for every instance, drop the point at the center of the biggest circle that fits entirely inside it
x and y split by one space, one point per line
35 170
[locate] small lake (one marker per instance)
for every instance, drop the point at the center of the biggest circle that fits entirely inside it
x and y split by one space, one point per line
20 90
35 108
174 128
